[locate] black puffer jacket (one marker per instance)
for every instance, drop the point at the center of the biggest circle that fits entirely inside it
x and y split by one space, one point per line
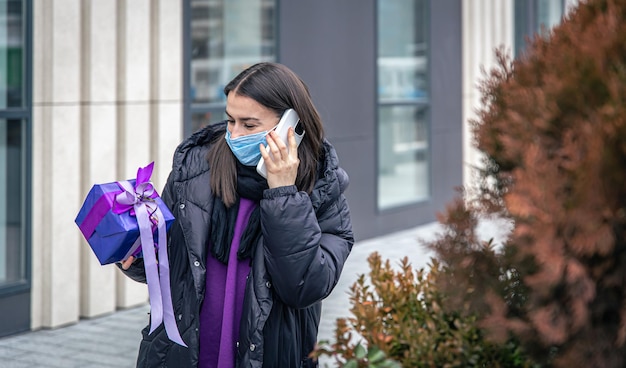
306 240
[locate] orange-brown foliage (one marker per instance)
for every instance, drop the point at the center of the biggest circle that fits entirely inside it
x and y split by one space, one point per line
553 128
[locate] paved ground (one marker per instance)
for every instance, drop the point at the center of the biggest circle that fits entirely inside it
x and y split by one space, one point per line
112 341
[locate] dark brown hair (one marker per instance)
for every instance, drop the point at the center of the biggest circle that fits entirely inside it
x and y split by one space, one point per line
277 88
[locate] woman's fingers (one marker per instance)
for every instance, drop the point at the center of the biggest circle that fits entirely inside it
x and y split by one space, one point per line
282 164
293 145
279 149
277 146
127 262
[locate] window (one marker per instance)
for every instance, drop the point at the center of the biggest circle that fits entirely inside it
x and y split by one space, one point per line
532 15
224 38
14 122
12 255
403 103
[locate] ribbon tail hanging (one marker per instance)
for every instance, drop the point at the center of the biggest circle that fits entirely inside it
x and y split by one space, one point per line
164 271
150 264
157 271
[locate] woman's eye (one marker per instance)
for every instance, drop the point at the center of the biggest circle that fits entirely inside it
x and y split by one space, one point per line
230 121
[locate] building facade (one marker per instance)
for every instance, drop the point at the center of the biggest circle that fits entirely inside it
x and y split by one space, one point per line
92 90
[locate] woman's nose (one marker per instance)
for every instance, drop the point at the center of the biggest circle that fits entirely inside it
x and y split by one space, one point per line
236 130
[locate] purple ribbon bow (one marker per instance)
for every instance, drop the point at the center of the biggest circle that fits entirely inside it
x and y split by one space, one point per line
139 200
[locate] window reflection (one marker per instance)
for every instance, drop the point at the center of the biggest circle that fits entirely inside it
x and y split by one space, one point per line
549 13
204 118
226 38
12 255
403 157
403 103
532 17
12 138
11 54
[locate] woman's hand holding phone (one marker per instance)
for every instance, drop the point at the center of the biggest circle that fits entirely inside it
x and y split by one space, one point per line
289 119
282 164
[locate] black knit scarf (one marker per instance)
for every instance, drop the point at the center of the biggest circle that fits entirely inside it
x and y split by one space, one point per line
250 185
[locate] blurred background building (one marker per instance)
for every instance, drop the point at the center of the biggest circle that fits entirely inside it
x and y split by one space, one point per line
91 90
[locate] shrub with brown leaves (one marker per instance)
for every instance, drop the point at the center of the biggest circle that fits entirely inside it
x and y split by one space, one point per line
553 129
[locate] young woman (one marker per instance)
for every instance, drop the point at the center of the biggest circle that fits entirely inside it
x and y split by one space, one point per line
251 258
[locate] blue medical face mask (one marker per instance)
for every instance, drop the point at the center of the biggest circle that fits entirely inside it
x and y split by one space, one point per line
246 147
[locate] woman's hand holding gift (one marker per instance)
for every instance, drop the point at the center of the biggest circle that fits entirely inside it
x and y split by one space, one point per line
127 262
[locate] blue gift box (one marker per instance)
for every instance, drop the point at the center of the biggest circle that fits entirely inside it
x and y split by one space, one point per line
113 236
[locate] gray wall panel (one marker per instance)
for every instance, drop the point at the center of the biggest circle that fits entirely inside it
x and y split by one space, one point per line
361 193
446 90
331 44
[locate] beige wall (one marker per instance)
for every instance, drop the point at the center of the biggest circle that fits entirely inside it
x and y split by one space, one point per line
487 25
107 99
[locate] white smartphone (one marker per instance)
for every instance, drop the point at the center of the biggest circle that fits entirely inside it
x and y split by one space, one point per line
290 118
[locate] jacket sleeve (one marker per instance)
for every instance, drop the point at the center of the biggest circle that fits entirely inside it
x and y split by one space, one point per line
304 251
137 271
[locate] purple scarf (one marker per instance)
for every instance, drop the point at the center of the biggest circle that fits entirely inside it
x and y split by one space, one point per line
220 313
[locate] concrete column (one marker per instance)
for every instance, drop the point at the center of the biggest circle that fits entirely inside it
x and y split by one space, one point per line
41 82
167 89
487 25
150 90
56 161
98 140
133 115
107 99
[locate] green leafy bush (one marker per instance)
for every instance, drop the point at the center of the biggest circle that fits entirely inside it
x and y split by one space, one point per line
399 315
